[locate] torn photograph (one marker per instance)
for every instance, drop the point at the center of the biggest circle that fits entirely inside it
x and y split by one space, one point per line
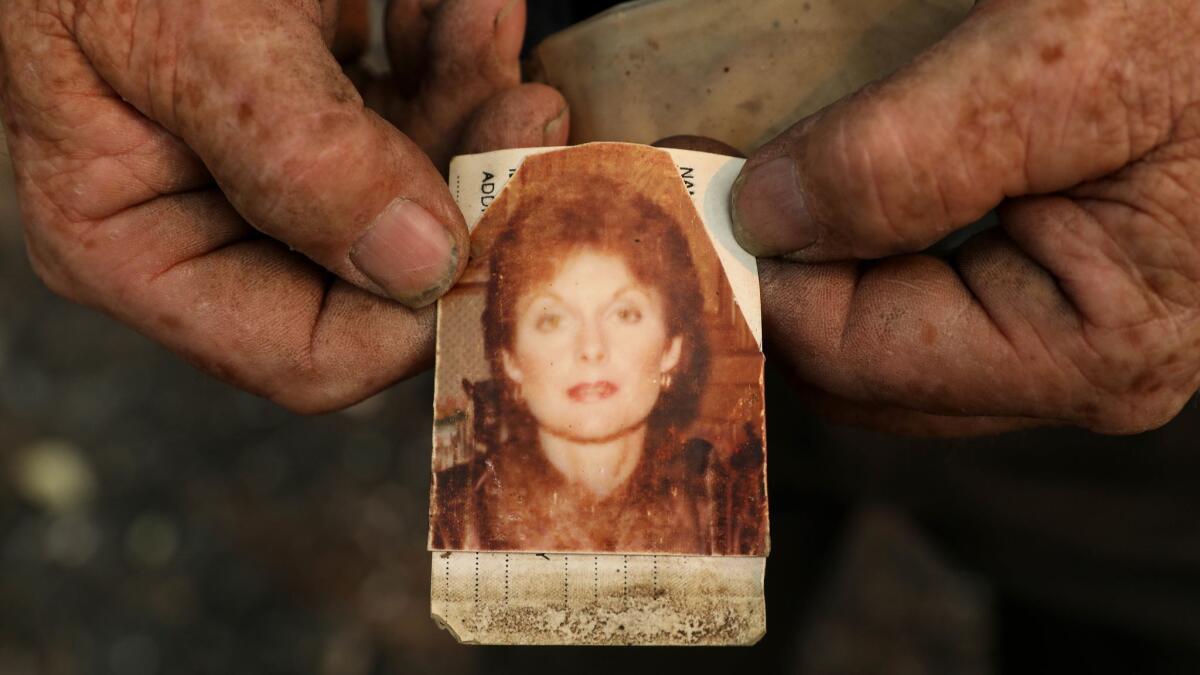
599 388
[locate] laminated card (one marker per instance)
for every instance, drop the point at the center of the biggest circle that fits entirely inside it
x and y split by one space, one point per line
599 458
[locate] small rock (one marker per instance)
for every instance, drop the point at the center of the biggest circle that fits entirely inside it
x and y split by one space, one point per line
133 655
151 541
54 475
71 540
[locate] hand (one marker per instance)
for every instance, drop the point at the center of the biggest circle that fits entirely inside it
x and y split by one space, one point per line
1081 121
205 172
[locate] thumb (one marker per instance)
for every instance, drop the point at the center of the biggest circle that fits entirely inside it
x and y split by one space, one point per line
1022 98
254 91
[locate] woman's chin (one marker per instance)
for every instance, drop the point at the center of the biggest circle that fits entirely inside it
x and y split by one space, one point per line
589 431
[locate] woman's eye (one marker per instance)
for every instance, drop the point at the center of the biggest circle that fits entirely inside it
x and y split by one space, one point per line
547 322
629 315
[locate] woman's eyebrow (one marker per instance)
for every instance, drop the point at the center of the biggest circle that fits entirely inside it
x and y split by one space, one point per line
628 289
551 295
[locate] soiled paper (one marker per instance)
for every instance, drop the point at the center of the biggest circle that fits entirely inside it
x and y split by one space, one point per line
639 586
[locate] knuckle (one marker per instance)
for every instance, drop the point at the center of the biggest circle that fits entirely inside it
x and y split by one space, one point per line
305 404
1134 413
296 386
323 377
890 184
54 243
304 386
294 176
311 395
286 383
51 273
1132 392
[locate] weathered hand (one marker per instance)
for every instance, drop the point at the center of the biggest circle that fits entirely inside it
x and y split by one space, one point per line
205 172
1080 119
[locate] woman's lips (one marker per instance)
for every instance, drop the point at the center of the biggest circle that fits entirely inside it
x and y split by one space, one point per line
587 392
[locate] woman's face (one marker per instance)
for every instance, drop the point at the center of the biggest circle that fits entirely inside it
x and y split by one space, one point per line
590 349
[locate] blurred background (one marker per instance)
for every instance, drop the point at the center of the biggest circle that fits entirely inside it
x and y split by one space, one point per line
153 520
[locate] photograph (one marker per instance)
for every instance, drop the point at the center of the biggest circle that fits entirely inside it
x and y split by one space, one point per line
392 337
598 387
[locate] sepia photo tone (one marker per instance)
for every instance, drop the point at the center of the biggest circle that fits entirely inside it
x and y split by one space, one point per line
599 389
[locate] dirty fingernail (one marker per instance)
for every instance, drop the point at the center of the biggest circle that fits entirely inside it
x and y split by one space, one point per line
408 253
770 214
510 29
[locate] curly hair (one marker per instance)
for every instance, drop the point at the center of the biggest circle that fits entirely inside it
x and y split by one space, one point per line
547 229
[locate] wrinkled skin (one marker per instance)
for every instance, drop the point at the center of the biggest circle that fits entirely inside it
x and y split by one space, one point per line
1080 120
203 170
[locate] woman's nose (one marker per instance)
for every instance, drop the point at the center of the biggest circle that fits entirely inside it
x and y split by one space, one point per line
593 346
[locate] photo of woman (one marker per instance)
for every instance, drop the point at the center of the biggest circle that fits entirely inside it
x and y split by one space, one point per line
602 302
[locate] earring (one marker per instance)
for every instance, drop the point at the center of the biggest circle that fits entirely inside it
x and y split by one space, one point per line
666 380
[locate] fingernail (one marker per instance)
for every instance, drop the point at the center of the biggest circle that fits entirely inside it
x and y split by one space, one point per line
509 32
770 215
408 253
552 132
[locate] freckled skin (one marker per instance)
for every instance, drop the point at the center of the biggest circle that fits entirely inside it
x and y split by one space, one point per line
200 171
1079 121
1052 53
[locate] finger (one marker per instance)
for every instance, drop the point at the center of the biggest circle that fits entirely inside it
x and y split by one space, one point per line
528 116
1071 313
120 215
291 147
353 30
887 419
406 31
1022 98
905 333
192 275
473 51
